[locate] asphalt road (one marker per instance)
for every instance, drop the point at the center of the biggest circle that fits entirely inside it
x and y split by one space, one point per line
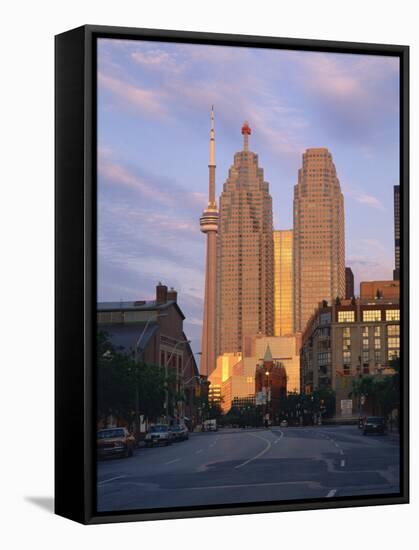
235 466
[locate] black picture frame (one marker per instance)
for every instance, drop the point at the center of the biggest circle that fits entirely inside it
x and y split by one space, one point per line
75 270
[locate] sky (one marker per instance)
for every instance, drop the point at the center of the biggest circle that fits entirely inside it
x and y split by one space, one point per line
154 109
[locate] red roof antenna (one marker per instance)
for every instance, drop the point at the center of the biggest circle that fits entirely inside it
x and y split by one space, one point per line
246 128
246 131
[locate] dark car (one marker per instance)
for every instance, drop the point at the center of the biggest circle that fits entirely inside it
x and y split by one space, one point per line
375 425
115 442
179 432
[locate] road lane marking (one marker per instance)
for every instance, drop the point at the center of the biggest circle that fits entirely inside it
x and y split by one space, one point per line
173 461
197 452
312 484
342 463
331 493
109 480
265 450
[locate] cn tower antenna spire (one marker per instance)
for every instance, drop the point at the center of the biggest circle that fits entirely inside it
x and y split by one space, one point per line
209 226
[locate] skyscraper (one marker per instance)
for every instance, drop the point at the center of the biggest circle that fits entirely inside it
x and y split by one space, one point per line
349 283
319 235
244 253
396 273
283 283
209 226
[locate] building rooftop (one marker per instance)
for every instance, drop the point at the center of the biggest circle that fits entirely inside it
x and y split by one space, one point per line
139 305
125 337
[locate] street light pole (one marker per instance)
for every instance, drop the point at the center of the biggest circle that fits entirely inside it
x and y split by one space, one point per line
267 399
166 366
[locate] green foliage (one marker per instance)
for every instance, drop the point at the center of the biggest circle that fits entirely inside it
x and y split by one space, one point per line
126 388
382 393
249 415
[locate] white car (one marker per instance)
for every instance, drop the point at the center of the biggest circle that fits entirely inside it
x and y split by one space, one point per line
158 434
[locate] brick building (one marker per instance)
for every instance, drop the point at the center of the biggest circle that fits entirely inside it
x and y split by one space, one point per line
270 386
152 332
345 340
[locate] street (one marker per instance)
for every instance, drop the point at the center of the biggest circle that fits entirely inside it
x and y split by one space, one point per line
252 465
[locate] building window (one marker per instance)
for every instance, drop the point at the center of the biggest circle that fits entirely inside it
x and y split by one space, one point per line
346 341
377 356
393 354
346 358
346 316
371 315
393 330
394 342
324 358
365 339
393 315
325 318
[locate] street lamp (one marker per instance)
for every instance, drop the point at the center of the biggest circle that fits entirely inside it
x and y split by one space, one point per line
267 399
166 366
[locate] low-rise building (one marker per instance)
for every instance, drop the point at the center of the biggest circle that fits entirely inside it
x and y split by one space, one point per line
388 290
151 331
285 349
270 386
348 339
236 387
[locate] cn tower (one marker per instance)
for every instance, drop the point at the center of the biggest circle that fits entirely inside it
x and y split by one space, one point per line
209 226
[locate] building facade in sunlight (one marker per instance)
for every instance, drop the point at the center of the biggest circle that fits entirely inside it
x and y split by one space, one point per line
245 274
319 235
283 283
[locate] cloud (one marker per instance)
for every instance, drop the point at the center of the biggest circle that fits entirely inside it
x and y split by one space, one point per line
363 198
118 175
157 59
354 97
155 188
370 260
148 102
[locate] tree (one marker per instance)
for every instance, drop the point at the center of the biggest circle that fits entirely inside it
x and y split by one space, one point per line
382 392
126 388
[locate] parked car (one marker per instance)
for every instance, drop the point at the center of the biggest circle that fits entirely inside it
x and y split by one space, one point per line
179 432
283 424
210 425
375 424
158 434
115 442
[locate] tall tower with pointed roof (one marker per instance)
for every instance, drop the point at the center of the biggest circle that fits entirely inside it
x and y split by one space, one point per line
209 226
245 278
319 235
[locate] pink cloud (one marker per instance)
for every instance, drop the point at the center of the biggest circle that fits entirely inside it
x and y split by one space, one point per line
117 174
363 198
157 59
150 103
